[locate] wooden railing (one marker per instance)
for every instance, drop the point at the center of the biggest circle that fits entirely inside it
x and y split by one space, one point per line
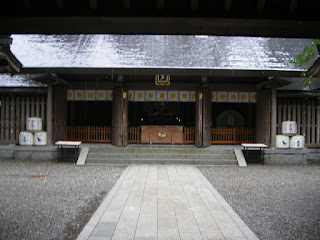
233 135
134 135
89 133
188 135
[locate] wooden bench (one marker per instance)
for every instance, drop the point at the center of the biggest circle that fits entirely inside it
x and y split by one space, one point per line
68 150
256 146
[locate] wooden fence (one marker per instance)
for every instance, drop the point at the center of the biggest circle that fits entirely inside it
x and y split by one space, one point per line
100 134
15 109
305 113
134 135
188 135
233 135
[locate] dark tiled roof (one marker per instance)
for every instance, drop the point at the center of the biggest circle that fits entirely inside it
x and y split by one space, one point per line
21 80
156 51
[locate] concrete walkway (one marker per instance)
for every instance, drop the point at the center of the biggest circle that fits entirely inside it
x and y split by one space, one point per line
164 202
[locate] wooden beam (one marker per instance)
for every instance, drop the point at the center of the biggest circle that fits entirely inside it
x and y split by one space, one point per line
50 115
160 25
273 117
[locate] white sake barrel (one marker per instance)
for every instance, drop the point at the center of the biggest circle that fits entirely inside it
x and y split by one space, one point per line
40 138
282 141
289 128
297 142
26 139
34 124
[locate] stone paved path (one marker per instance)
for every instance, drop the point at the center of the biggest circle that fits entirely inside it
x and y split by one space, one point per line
164 202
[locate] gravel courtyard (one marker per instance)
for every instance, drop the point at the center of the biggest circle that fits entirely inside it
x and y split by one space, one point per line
276 202
56 206
48 200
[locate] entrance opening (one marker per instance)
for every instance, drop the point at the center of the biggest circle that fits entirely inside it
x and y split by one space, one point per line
89 121
161 113
164 115
233 123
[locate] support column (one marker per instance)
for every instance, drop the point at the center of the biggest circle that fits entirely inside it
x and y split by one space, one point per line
207 118
120 117
203 118
49 114
263 109
60 114
273 117
198 119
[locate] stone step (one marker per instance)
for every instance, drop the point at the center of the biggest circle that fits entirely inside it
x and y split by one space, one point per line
116 161
161 150
165 155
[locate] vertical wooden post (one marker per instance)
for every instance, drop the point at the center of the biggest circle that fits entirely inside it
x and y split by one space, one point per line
18 126
207 118
198 119
59 113
318 125
120 117
263 116
23 114
273 117
2 117
12 119
32 114
49 114
7 116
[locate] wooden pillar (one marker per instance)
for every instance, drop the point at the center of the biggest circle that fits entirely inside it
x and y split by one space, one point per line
198 119
273 117
49 114
207 118
120 117
263 109
59 113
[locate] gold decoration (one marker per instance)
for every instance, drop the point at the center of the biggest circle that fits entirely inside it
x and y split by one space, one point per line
162 134
162 79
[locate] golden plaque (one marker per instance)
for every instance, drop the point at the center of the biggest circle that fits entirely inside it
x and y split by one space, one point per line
162 134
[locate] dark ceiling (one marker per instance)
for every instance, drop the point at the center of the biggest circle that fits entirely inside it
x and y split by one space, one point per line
271 18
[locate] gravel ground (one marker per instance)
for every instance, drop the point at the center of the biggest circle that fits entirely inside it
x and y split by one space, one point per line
56 206
276 202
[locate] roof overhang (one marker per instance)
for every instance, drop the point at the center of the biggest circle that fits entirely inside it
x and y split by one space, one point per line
8 62
170 71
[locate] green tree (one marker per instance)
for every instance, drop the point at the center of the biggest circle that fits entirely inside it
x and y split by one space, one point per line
306 58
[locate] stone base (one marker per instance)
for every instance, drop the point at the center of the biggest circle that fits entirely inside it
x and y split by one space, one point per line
29 152
291 156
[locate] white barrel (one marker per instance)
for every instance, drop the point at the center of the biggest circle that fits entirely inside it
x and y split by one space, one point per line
289 128
282 141
34 124
40 138
297 142
26 139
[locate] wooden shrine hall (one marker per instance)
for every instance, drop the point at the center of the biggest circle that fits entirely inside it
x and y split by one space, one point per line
160 89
